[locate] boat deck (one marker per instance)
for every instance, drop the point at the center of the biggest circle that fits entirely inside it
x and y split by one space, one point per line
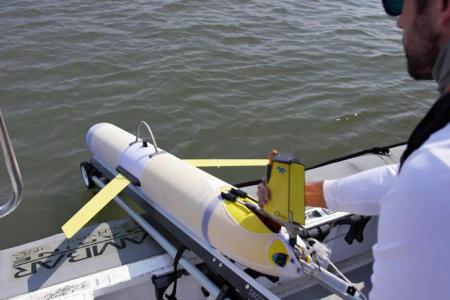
110 259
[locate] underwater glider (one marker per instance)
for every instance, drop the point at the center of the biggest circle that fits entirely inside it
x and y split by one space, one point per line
224 217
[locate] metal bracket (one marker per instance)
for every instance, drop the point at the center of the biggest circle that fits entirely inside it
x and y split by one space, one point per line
134 180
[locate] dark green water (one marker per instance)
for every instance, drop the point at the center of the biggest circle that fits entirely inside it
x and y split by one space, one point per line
215 79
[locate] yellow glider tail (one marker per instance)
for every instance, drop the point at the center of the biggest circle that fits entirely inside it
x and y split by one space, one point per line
286 182
90 209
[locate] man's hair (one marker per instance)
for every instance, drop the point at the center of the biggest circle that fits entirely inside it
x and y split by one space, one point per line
422 5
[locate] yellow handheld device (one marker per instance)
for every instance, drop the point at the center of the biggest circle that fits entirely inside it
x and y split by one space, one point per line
286 182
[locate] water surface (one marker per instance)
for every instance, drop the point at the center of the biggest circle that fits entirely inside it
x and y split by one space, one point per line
215 79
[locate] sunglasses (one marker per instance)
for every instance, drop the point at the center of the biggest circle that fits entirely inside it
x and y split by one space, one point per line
393 7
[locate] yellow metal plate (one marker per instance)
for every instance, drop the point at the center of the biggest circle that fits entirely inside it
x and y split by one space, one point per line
278 185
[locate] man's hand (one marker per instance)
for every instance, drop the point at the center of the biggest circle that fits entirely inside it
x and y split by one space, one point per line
313 194
263 193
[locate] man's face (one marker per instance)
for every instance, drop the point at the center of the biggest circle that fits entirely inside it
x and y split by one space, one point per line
420 40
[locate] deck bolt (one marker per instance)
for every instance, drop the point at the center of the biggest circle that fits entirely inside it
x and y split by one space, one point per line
247 286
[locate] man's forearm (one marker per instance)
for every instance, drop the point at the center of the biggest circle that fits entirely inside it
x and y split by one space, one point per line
359 193
314 194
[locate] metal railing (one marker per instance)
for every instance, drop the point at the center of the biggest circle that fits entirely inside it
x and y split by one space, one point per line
13 171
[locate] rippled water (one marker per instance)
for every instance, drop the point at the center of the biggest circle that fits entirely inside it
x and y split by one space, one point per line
230 79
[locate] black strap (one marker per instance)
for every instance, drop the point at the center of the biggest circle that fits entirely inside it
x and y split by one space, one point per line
436 118
223 292
175 269
318 233
356 231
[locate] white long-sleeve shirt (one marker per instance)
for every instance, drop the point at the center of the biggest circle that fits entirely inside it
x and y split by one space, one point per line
412 255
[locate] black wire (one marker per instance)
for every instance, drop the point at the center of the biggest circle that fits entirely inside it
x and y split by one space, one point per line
375 150
247 183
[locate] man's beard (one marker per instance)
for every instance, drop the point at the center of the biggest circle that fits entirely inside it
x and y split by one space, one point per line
422 58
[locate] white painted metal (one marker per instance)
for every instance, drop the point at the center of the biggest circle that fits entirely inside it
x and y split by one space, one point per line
13 171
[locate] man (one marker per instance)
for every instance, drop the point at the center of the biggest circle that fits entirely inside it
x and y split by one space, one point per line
412 199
